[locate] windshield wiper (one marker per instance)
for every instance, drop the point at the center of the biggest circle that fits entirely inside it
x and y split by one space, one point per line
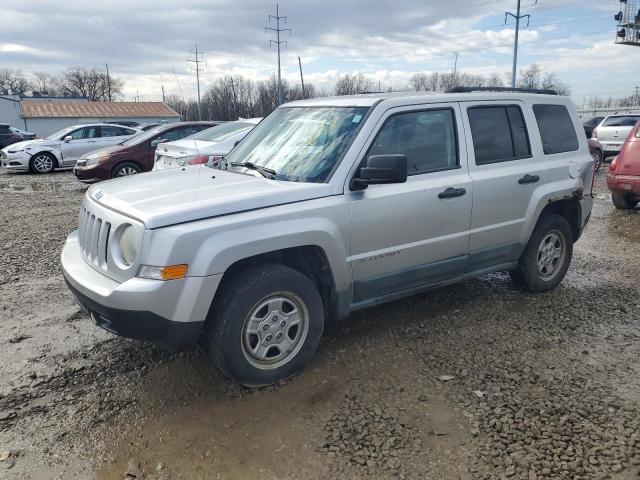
264 171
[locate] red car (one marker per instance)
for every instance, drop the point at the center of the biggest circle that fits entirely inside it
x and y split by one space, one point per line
623 178
135 154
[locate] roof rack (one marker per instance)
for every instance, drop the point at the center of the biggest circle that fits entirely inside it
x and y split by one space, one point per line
500 89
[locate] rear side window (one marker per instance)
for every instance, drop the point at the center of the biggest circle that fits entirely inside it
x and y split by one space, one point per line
499 134
556 129
108 131
427 138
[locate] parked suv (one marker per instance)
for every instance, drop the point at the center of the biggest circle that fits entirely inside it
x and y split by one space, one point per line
9 135
63 148
613 131
134 155
329 206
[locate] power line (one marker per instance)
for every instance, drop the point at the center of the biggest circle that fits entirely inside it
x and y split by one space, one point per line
518 17
197 60
278 42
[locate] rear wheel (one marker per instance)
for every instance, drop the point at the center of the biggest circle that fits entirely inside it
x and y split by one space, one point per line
42 162
547 256
125 169
265 325
597 160
623 202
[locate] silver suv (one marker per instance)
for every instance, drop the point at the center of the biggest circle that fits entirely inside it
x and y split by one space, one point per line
329 206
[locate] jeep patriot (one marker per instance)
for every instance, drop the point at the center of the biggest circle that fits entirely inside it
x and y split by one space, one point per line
328 206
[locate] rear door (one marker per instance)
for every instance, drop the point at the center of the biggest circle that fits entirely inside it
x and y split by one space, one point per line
408 235
505 174
613 131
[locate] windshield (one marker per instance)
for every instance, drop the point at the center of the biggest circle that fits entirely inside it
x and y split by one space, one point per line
220 133
59 135
143 136
301 144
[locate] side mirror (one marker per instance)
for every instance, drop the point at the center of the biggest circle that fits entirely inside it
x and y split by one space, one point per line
381 169
68 138
235 144
157 141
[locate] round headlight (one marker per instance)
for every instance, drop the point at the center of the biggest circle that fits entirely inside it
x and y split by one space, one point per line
127 245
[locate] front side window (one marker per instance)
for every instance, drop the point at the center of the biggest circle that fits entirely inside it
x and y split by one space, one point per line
301 144
499 134
556 129
426 138
77 134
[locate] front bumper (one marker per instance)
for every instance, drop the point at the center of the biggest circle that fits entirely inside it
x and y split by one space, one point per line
15 162
170 314
92 173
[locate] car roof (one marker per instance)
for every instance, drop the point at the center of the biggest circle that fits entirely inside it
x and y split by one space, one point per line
369 99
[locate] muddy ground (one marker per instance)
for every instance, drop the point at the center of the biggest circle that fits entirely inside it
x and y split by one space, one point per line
478 380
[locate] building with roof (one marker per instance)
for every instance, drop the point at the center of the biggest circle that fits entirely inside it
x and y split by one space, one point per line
46 115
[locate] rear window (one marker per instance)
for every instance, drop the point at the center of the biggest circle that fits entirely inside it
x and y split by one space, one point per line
499 134
621 121
556 129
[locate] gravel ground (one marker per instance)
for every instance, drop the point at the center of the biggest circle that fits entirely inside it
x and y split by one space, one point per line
474 381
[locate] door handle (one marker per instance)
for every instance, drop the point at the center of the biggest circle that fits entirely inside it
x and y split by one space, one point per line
452 192
529 179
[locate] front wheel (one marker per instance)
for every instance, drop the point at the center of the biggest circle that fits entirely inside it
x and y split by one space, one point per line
265 325
546 258
42 162
125 169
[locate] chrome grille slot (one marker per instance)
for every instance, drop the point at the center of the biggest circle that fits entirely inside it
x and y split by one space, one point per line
93 235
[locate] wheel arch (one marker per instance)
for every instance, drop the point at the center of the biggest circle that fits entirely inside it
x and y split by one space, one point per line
310 260
569 209
50 153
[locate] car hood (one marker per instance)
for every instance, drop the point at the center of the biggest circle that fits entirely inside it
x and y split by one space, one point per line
108 150
168 197
182 148
41 142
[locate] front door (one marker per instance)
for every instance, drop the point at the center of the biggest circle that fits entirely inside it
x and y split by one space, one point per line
507 173
83 140
407 236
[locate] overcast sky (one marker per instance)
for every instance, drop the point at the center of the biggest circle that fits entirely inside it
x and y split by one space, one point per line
147 42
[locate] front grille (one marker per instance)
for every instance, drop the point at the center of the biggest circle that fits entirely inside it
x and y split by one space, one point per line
93 234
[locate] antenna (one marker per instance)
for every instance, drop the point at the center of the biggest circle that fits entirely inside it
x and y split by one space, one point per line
278 42
197 60
518 17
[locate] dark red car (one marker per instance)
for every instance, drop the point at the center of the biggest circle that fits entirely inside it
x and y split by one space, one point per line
623 178
135 154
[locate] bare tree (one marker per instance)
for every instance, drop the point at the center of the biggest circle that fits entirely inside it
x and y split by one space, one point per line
46 83
91 83
351 84
13 82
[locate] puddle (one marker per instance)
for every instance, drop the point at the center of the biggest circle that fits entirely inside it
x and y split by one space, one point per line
38 187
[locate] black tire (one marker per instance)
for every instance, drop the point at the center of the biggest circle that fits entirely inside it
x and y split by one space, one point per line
597 160
623 202
528 274
42 162
240 299
125 169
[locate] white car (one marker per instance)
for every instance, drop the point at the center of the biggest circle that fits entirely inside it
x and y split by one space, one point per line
62 149
209 145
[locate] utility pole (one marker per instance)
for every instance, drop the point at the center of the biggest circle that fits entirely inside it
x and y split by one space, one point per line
162 93
637 99
108 81
302 78
277 42
456 54
197 60
518 17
